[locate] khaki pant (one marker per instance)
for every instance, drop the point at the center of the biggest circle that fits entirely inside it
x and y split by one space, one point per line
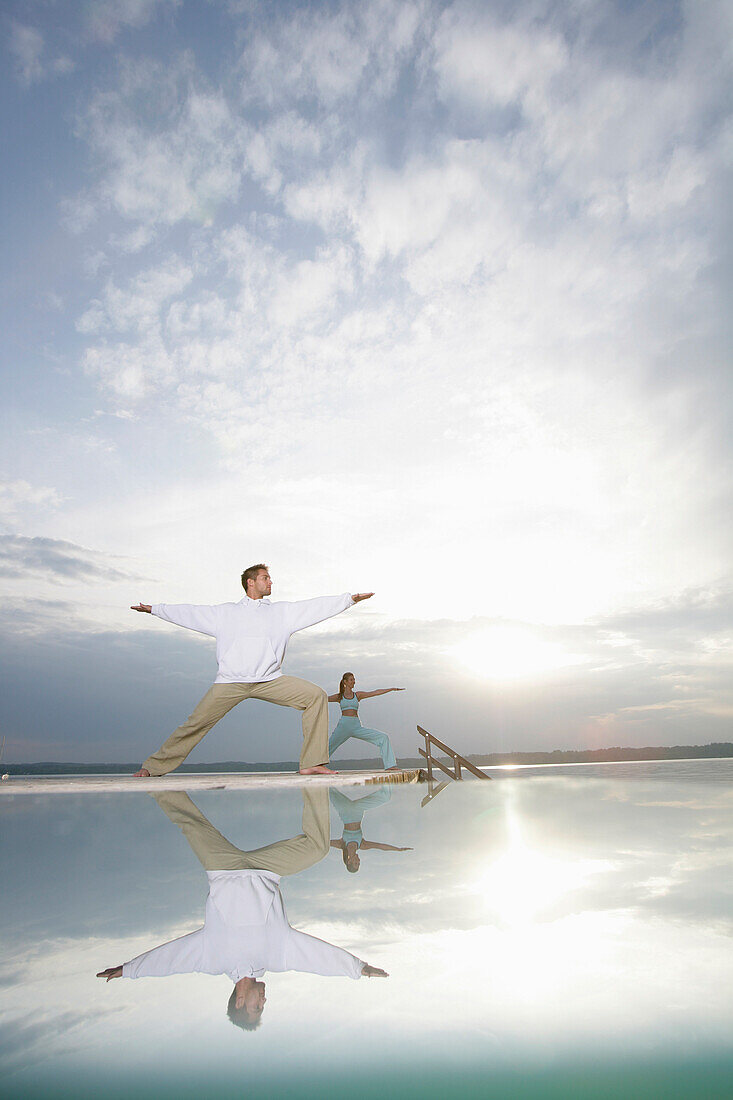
284 857
286 691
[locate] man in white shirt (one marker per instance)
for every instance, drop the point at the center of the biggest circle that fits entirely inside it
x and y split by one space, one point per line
246 931
251 639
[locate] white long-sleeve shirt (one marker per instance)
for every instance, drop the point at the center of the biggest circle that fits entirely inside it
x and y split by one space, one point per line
245 933
252 635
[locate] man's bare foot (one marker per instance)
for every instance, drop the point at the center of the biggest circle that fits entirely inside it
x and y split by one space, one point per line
320 769
142 774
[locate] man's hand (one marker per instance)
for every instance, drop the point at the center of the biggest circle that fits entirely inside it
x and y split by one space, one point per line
373 971
142 607
110 973
357 597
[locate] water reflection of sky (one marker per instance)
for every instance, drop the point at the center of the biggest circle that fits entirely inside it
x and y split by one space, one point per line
540 922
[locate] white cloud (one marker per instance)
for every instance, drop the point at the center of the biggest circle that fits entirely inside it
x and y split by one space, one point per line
460 190
15 496
311 287
78 212
219 356
137 308
159 174
106 18
26 44
130 371
133 370
285 143
29 52
328 55
671 184
486 63
134 241
615 131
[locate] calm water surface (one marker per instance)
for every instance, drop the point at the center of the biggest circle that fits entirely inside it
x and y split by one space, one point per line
567 933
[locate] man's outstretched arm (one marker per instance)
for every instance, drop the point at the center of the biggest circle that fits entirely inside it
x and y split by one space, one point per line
181 956
304 613
200 617
313 956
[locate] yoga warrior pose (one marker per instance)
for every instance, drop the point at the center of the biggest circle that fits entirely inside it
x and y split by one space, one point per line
350 726
246 931
351 812
251 638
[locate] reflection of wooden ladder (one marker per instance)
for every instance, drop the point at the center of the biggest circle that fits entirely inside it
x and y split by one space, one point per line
459 761
434 789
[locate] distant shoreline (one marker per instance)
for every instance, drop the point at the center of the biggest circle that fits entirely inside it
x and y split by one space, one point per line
716 750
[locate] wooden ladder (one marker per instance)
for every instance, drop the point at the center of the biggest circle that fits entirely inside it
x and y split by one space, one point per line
459 761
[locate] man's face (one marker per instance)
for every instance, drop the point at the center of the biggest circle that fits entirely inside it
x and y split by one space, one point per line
260 586
252 1000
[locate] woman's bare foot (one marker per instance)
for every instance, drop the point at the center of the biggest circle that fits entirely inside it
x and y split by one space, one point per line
395 769
320 769
142 774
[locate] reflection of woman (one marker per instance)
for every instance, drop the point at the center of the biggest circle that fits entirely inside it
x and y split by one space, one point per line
351 813
350 726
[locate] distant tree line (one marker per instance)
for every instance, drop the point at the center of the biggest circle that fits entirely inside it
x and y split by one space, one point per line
603 756
557 756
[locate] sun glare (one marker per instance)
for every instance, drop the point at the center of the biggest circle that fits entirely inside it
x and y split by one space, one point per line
509 653
522 883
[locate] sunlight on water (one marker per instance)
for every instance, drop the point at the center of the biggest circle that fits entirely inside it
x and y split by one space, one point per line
522 882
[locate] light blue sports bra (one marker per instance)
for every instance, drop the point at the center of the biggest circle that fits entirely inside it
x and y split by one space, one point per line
349 704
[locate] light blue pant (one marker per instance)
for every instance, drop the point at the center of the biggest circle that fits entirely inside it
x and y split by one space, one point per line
352 727
351 810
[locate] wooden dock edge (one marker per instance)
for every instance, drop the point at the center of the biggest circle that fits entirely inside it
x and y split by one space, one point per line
198 781
407 775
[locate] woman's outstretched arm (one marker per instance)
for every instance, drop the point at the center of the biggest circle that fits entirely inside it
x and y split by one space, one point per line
333 698
383 847
379 691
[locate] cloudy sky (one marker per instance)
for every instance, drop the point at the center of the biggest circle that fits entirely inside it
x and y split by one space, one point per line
424 297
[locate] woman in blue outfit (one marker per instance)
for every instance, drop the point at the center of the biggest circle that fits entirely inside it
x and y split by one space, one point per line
351 812
350 726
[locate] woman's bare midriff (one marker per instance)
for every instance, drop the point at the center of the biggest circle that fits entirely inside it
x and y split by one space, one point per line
349 713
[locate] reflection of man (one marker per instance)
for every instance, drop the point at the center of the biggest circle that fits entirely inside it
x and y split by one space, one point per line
351 811
251 638
246 930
